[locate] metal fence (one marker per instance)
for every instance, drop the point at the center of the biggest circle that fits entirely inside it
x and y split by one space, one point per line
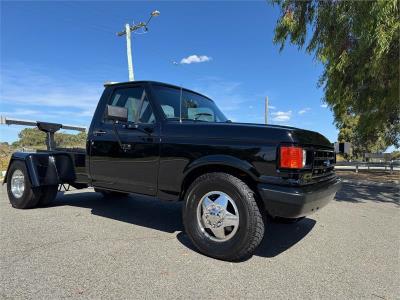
360 165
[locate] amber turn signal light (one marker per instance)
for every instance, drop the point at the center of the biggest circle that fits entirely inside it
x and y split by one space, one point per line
292 157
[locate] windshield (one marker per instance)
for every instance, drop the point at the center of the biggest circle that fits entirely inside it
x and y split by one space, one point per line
193 106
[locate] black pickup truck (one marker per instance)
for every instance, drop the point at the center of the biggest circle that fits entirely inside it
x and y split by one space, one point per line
175 144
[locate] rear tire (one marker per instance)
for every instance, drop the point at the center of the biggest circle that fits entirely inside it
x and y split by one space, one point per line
203 224
21 196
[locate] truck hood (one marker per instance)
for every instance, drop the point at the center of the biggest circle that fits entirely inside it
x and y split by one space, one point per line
247 132
292 134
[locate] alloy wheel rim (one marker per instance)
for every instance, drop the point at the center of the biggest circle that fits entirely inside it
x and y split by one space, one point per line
17 184
218 216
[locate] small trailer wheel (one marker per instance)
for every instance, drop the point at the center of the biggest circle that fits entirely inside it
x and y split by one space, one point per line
19 189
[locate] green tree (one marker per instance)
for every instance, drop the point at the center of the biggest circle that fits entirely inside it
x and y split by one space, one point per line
70 140
396 155
33 137
358 44
348 133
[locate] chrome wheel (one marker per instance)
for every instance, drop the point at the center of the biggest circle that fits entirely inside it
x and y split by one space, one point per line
218 216
17 183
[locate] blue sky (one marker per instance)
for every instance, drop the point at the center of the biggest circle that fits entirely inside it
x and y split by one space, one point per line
55 57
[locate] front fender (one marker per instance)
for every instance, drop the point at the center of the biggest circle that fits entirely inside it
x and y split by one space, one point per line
224 160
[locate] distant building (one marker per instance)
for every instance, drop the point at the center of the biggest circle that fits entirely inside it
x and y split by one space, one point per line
343 148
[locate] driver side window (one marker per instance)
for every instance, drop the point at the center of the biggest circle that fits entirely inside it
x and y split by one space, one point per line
131 99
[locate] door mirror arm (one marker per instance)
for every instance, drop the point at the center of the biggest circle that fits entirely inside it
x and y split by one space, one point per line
117 135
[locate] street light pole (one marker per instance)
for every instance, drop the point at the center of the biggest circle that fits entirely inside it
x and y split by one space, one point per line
127 32
129 52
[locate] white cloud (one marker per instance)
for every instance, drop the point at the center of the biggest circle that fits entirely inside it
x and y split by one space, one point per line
282 116
324 105
195 59
304 110
271 107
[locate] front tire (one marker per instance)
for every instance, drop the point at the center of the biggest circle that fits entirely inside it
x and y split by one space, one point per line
221 217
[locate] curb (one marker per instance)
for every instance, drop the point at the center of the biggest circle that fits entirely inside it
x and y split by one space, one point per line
372 183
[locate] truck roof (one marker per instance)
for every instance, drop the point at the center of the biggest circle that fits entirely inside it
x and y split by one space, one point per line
153 82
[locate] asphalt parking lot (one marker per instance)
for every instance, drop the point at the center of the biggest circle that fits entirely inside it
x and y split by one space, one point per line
85 246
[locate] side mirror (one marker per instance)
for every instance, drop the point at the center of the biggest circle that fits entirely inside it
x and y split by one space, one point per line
116 113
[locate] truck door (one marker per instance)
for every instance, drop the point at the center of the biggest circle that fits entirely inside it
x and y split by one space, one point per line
125 157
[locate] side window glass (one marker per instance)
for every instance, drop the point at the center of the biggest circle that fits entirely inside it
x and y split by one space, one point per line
132 104
146 113
169 100
169 111
130 98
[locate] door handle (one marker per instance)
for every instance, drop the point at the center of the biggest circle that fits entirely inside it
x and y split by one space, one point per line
99 132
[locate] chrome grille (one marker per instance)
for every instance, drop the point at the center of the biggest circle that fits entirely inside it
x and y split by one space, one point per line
323 163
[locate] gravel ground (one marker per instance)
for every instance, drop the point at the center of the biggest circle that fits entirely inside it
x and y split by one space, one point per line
85 246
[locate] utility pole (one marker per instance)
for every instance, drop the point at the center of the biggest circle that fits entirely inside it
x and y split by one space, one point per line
129 52
266 110
127 32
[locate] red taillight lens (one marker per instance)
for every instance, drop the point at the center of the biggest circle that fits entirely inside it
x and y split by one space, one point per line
291 157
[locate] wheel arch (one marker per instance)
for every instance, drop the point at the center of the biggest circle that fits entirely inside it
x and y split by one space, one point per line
22 157
220 163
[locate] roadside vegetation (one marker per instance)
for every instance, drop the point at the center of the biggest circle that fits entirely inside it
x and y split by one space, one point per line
36 139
